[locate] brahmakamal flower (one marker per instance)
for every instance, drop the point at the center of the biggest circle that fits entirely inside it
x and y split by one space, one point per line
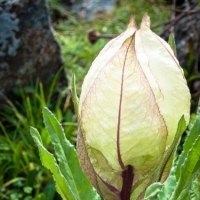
131 102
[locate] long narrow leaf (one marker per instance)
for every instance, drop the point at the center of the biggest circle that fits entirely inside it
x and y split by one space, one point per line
185 170
68 160
50 163
172 43
188 163
172 148
74 94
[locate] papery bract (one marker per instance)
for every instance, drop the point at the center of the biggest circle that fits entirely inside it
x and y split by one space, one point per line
131 102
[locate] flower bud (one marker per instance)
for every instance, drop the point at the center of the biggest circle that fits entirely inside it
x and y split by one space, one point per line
131 102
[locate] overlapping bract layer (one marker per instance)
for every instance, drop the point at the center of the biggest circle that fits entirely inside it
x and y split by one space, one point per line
131 102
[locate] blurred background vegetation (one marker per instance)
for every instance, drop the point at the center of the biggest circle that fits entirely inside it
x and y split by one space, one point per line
22 176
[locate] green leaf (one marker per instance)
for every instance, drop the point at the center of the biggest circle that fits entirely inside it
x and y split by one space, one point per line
171 149
194 192
185 169
152 191
68 160
168 186
50 163
172 43
74 94
158 191
49 190
166 189
188 165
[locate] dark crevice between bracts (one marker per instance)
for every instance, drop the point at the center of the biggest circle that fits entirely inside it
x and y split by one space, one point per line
128 177
120 103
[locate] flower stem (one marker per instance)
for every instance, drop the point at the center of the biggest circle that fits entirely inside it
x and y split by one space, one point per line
128 176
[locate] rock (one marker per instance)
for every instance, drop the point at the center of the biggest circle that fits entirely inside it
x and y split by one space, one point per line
186 27
87 8
27 45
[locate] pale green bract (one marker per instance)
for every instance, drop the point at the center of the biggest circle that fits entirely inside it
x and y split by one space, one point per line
131 102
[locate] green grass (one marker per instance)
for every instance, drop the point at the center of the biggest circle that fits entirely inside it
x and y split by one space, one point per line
22 175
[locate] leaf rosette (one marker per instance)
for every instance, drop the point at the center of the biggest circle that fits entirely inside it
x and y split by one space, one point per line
131 102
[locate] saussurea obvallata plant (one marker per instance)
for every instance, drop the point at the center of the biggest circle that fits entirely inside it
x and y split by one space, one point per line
133 108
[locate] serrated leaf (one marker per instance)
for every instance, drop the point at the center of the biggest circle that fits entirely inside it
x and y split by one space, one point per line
172 43
188 164
168 186
152 191
50 163
194 192
67 158
186 169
